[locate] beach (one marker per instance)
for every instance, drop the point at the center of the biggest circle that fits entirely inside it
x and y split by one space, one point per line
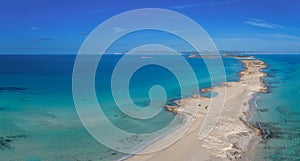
232 138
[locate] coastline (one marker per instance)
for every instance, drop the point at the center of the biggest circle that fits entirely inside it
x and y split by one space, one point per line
233 138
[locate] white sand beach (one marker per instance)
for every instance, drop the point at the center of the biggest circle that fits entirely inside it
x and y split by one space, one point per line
232 138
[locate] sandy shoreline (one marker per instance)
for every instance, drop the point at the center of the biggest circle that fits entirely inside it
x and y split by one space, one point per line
233 138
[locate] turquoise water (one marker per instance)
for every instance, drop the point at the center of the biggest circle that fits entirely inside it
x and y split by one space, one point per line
279 110
39 120
38 117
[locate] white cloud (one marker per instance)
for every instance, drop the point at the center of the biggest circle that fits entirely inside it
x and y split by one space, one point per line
262 24
284 36
185 6
203 4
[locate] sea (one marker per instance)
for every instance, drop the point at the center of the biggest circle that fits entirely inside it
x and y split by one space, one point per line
279 110
39 120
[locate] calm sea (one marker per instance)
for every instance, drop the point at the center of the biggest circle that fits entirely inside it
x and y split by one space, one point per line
279 110
36 102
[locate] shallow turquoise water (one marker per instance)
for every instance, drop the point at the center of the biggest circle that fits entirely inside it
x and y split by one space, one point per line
279 110
40 106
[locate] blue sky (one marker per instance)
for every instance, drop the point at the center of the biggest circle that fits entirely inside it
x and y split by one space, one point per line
50 26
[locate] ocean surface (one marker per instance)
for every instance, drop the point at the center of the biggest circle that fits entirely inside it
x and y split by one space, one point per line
38 118
279 110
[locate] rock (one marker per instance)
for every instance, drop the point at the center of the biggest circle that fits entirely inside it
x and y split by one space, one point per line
5 142
16 136
172 109
262 110
265 133
12 89
234 153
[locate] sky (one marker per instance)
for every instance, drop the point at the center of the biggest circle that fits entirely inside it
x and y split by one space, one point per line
61 26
